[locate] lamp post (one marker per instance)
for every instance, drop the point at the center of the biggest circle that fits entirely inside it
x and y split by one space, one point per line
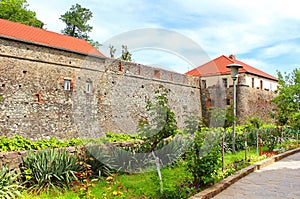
234 70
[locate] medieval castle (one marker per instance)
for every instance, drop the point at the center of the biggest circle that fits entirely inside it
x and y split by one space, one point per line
56 85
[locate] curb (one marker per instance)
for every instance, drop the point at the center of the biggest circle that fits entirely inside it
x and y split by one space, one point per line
223 184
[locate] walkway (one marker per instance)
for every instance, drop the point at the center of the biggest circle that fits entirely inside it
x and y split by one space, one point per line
278 180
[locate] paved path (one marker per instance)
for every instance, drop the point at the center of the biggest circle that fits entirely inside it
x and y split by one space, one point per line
278 180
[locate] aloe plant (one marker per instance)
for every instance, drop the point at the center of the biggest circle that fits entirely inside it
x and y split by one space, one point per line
9 183
50 169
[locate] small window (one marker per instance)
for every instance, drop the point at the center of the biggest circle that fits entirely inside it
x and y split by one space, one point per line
88 87
157 74
38 98
208 103
228 101
67 84
225 82
261 84
203 83
252 82
171 77
120 67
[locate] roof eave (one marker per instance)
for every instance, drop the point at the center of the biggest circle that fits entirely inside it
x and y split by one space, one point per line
49 46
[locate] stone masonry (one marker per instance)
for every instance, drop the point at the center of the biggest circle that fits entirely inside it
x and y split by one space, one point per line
47 92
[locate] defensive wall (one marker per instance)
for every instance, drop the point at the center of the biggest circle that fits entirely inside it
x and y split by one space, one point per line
47 92
250 103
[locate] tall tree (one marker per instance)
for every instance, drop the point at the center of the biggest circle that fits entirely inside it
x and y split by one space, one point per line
288 100
16 10
76 22
126 55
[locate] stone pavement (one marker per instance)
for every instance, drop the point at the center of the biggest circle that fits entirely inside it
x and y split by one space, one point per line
278 180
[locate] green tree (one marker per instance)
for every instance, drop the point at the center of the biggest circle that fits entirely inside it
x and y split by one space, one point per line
288 99
126 55
76 23
162 123
16 10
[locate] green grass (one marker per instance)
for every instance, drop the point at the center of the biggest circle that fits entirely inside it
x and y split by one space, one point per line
139 185
146 185
239 155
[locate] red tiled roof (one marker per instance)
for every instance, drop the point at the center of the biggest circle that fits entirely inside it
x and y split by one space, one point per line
40 36
218 67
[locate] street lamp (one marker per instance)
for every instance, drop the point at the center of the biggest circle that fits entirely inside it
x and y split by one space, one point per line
234 70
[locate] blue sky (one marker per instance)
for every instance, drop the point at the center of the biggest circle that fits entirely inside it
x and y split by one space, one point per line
264 34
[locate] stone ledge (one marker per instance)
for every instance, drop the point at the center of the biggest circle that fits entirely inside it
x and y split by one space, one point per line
223 184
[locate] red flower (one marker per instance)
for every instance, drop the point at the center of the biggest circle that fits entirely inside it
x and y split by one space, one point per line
75 183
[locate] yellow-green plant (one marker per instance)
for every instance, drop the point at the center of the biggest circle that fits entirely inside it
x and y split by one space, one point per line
49 169
9 183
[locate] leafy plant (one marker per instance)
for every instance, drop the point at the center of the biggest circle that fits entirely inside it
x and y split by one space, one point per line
115 137
49 169
9 183
288 100
114 188
203 157
162 123
270 137
18 143
84 183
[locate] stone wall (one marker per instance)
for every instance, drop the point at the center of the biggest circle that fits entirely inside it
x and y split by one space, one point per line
251 102
35 104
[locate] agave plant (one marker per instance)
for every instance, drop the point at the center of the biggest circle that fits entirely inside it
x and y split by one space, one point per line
9 183
50 169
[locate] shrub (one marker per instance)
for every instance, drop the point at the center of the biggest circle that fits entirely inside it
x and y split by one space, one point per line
47 169
162 123
270 137
18 143
204 156
9 183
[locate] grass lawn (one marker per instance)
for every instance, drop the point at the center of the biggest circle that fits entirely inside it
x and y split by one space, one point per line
145 185
138 185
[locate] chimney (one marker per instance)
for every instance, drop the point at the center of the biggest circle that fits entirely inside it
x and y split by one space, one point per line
232 56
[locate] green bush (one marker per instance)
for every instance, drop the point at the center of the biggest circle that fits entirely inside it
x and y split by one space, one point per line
115 137
204 156
19 143
269 137
9 183
49 169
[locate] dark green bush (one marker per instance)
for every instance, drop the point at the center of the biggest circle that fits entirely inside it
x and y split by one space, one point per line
9 183
49 169
204 156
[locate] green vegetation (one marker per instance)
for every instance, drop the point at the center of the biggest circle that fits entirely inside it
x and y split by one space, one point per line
18 143
76 23
204 157
10 185
49 170
162 124
183 166
16 10
287 111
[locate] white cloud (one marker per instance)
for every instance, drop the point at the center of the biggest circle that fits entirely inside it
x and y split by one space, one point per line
218 26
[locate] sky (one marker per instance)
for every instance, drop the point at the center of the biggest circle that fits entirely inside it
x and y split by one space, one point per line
180 35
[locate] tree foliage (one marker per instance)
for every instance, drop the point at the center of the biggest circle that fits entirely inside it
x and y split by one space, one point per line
161 124
76 20
126 55
16 11
288 99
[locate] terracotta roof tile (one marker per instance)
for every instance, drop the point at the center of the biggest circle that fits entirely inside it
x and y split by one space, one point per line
218 67
40 36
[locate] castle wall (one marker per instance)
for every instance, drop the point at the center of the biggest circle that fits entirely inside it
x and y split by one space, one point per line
251 102
47 92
